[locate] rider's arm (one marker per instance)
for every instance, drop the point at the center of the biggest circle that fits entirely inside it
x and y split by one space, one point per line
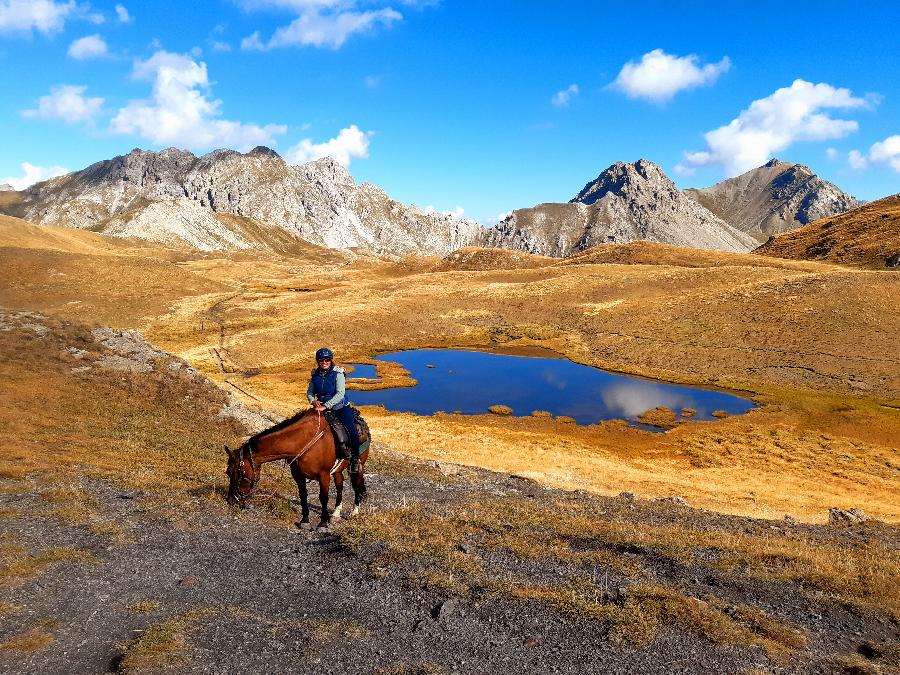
310 396
341 390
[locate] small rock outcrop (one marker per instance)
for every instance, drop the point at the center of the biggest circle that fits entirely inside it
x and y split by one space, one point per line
6 187
776 197
842 517
230 200
626 202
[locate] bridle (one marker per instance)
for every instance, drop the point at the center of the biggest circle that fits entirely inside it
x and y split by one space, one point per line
242 476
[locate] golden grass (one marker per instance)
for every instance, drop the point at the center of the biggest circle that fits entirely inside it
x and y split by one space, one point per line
16 564
162 645
30 640
144 606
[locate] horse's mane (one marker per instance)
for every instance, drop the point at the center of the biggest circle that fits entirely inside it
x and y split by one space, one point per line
278 427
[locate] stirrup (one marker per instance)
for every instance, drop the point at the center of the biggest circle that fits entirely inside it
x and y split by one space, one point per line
337 464
355 466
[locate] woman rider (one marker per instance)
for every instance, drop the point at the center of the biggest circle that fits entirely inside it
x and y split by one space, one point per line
326 391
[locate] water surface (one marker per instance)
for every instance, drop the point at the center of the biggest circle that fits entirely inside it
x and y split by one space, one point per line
469 382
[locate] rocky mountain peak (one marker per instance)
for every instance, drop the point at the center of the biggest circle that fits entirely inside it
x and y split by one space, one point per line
6 187
264 150
622 178
775 197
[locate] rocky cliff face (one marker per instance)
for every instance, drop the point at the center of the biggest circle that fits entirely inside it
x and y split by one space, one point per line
627 202
776 197
231 200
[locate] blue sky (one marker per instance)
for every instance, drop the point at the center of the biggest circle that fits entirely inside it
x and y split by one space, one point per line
484 106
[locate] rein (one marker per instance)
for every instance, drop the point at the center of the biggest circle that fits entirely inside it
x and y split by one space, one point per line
315 439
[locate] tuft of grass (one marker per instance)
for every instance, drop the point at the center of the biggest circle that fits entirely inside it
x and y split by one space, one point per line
17 564
162 645
29 640
660 417
543 414
144 606
500 410
688 412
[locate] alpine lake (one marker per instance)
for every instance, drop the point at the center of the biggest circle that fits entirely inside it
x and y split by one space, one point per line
471 382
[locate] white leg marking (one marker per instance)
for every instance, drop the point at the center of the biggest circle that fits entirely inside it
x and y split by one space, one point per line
336 514
354 511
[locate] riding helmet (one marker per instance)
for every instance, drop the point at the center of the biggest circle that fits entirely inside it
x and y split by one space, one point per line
324 353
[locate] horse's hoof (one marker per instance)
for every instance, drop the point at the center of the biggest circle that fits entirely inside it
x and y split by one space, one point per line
303 526
324 527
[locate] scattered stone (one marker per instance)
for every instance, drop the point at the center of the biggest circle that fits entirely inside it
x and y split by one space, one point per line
37 328
77 353
853 516
790 520
134 494
186 581
628 496
466 548
530 642
79 370
893 261
447 609
448 469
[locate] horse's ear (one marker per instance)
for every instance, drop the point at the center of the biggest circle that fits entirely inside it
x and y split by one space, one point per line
227 451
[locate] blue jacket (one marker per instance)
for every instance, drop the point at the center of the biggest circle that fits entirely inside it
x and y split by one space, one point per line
327 386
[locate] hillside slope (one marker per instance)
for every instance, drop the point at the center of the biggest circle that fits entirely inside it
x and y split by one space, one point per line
776 197
626 202
868 236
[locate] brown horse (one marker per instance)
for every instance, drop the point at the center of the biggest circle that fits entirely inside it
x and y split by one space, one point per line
306 443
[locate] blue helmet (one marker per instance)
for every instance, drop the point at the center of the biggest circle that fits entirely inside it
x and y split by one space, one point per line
324 353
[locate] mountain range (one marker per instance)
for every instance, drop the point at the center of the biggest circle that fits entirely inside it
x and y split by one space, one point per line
230 200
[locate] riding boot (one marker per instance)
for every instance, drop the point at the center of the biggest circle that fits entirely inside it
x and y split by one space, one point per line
355 466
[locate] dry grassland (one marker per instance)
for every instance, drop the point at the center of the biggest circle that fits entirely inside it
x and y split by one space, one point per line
813 343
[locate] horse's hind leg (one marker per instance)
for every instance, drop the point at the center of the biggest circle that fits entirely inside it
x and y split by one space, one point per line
324 484
359 491
303 523
338 495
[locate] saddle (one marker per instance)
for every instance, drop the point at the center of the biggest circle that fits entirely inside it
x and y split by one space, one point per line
342 438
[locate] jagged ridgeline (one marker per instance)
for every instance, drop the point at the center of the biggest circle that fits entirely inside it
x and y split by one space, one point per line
230 200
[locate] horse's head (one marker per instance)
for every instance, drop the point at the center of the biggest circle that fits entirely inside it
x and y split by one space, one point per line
243 474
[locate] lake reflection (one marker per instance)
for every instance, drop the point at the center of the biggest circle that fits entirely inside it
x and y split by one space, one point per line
469 382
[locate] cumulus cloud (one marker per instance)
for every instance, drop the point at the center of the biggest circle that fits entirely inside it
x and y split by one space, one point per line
32 174
180 111
88 47
319 23
490 221
658 76
632 399
561 99
25 16
122 14
68 103
458 213
771 124
882 152
350 143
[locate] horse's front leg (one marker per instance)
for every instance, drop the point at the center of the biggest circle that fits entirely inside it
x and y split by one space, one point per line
338 495
303 523
324 484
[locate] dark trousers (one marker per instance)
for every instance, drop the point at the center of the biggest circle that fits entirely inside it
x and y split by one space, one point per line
345 415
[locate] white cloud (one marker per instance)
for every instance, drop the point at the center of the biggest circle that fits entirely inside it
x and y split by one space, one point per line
832 153
372 81
122 14
456 213
67 103
218 46
320 23
490 221
882 152
771 124
561 99
348 144
179 111
44 16
88 47
32 174
659 76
